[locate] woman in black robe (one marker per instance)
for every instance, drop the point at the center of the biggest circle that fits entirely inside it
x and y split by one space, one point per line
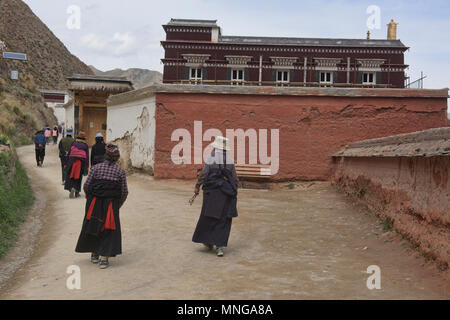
219 181
106 191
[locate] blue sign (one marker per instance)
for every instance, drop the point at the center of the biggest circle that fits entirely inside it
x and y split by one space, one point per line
14 55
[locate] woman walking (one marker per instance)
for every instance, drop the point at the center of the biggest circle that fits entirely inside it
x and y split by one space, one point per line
98 150
220 183
55 134
106 191
77 165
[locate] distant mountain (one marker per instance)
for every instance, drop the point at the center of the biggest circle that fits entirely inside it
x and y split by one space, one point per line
139 77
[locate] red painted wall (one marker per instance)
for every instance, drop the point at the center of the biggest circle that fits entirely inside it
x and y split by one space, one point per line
311 128
413 192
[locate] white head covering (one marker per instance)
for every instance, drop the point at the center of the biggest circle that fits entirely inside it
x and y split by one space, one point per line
221 143
99 135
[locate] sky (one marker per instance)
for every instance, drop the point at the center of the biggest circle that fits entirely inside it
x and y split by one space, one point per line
124 34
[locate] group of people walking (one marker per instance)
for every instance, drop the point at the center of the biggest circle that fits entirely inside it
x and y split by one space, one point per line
106 191
42 139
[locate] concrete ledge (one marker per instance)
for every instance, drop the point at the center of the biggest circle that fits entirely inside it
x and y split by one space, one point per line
277 91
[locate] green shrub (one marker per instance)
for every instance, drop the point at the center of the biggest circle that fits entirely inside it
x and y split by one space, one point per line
16 198
24 141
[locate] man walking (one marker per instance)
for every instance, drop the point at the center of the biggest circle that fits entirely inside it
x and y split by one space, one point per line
39 143
220 183
106 191
64 147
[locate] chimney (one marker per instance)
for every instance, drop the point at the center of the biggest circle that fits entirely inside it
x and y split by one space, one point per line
392 30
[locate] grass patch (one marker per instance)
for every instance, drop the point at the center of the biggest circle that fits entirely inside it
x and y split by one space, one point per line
16 197
388 224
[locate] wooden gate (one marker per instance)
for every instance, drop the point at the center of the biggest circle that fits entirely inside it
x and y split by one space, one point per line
94 122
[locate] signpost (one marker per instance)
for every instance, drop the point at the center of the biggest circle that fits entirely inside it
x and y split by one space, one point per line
14 75
14 55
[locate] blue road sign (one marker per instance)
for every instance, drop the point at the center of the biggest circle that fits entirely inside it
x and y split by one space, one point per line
14 55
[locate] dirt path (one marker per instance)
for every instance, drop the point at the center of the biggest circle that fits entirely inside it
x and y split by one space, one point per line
306 243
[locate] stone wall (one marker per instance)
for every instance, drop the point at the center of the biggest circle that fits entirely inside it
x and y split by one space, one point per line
404 178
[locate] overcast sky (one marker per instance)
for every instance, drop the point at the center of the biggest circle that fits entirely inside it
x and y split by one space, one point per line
125 34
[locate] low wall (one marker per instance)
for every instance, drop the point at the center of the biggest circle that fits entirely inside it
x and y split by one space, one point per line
313 123
404 178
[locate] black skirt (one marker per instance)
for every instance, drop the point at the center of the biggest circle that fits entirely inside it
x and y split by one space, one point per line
74 183
213 229
107 243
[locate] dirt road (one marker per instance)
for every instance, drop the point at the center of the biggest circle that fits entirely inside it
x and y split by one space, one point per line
305 243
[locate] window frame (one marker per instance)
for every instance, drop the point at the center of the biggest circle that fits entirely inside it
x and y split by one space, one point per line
325 81
282 81
195 78
237 81
374 79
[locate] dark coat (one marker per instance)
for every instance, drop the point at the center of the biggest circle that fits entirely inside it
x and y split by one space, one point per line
39 140
72 183
96 236
98 153
218 209
220 195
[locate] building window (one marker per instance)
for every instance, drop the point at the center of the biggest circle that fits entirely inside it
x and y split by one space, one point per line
195 75
326 77
237 76
369 78
282 76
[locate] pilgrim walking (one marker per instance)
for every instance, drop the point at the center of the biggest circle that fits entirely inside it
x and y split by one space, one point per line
219 182
64 147
106 191
98 150
77 165
39 143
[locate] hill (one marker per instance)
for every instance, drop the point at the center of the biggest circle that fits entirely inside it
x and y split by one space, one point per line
48 63
139 77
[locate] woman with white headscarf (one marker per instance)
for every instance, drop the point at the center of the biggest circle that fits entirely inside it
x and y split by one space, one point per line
219 180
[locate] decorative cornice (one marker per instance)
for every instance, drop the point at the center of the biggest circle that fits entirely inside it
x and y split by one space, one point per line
187 29
220 46
327 62
238 60
196 58
284 61
370 63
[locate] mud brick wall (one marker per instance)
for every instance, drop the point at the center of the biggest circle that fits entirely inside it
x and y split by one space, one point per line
313 123
404 178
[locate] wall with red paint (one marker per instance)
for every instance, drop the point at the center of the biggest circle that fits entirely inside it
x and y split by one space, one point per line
312 127
413 191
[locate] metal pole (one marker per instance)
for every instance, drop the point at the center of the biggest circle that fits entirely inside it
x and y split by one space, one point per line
260 70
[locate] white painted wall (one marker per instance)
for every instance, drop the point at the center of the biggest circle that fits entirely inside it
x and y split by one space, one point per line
58 109
135 120
69 116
